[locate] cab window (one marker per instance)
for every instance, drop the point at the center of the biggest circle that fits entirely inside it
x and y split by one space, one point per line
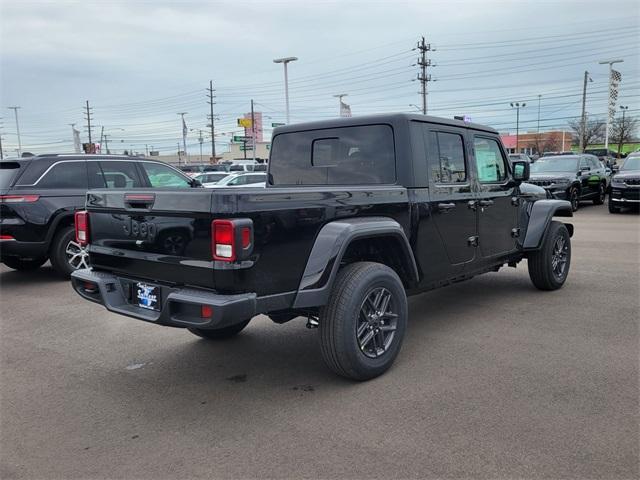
490 162
163 176
448 165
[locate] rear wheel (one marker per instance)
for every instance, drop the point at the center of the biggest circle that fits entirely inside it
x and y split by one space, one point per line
363 325
574 198
549 266
67 255
599 200
18 263
220 333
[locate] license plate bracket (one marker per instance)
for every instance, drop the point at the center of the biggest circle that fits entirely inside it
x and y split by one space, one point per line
147 296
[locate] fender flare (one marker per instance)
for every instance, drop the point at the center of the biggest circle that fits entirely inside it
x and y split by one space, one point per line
542 212
330 245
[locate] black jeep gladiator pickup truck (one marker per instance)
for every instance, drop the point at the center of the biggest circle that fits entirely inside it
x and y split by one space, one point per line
357 214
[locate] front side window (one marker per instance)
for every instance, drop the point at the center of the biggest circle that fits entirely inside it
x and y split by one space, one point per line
162 176
448 165
65 175
489 160
120 174
359 155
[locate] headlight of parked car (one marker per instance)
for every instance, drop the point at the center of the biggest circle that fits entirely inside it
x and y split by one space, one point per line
617 182
561 182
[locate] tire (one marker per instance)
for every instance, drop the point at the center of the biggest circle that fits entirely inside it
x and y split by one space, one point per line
349 311
612 207
602 192
574 198
220 333
66 255
549 266
18 263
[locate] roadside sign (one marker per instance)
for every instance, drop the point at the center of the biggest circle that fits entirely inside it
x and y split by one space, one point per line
277 125
244 122
245 148
241 138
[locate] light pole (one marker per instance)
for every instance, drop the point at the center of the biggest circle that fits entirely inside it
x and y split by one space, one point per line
285 61
416 107
184 136
339 97
517 106
15 111
606 132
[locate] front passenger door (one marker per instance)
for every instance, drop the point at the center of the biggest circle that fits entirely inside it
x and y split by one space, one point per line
497 203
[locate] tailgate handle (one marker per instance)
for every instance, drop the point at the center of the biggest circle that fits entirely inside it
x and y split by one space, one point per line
139 200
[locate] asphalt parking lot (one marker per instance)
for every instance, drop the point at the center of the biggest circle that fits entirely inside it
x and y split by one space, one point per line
495 380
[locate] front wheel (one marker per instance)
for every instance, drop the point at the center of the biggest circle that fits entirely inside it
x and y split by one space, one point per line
67 255
18 263
574 198
220 333
363 325
549 266
599 200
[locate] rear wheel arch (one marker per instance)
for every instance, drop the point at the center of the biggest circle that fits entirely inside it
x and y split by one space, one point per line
61 222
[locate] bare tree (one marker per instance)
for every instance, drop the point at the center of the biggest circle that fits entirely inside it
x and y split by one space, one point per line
593 131
623 130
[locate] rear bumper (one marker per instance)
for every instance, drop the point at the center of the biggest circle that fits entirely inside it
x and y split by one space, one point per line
16 248
180 307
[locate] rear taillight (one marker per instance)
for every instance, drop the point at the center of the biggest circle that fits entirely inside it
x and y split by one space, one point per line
231 240
6 238
82 227
19 198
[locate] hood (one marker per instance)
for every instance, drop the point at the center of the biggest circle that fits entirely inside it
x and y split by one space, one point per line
627 174
551 175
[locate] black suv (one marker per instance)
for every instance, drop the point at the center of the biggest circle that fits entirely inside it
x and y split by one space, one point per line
625 185
39 195
571 177
357 214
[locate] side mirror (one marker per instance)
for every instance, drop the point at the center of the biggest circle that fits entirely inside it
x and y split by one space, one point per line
195 183
585 169
520 171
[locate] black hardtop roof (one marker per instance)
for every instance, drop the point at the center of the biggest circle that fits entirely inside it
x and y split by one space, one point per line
391 118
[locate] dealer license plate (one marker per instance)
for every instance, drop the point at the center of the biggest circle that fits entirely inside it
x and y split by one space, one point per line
148 296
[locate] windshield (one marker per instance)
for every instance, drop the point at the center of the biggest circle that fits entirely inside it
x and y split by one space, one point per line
631 163
555 164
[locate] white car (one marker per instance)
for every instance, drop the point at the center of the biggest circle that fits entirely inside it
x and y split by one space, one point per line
242 179
210 179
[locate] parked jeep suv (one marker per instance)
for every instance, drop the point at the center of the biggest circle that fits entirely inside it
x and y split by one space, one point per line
625 185
39 196
571 177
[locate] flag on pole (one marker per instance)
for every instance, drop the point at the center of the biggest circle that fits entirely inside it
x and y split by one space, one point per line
77 145
345 110
184 128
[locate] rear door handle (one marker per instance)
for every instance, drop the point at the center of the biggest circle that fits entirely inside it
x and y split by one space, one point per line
485 203
445 207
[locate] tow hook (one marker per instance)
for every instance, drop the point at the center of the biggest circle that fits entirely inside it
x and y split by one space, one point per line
312 322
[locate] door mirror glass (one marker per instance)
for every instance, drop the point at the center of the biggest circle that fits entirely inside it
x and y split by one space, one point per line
520 171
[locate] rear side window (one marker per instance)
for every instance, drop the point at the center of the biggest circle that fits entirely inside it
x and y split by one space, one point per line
448 165
65 175
336 156
8 172
162 176
120 174
489 160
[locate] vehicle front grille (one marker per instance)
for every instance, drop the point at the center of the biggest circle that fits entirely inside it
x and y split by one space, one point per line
541 183
632 181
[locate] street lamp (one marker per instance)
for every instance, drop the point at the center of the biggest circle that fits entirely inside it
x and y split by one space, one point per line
416 107
285 61
517 106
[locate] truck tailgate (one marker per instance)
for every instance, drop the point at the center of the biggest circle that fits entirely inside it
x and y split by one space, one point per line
162 235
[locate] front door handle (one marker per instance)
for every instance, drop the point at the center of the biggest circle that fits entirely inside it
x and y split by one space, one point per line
473 205
485 203
445 207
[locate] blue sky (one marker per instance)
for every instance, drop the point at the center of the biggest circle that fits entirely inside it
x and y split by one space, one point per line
141 62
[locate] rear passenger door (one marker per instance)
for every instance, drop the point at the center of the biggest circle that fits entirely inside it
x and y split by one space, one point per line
451 196
497 203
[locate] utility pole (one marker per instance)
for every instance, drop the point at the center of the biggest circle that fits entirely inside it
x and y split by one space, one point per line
583 119
200 140
106 143
613 95
1 152
101 136
339 97
285 61
253 131
213 141
178 153
539 100
88 114
184 136
15 111
518 106
424 62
